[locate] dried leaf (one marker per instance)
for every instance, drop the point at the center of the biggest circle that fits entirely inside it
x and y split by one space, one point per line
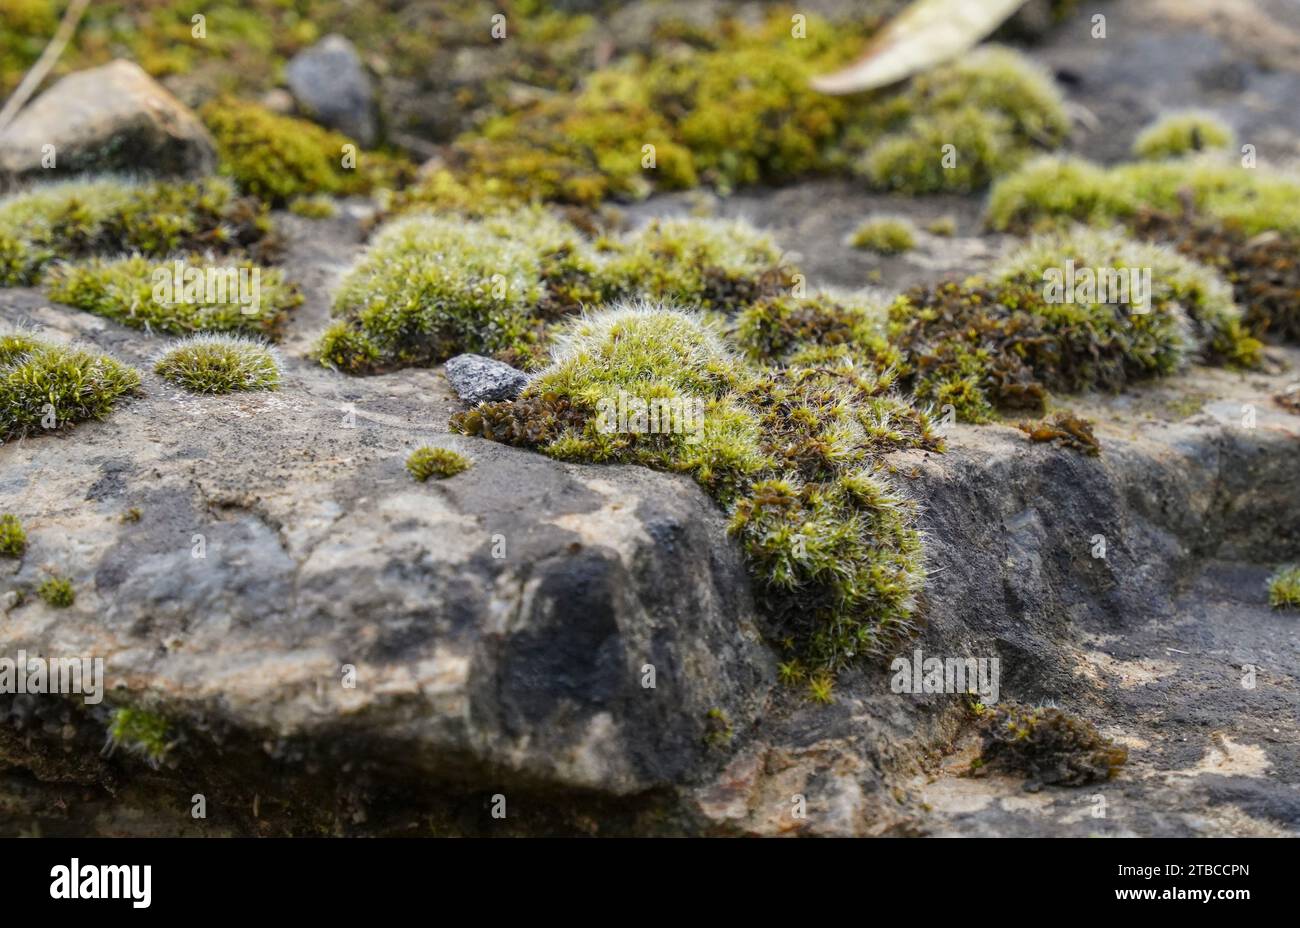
926 34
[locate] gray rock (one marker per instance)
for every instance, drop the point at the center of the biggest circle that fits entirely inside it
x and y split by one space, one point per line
331 86
503 624
477 379
110 118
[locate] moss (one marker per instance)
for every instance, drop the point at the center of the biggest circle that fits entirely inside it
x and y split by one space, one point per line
142 294
278 158
315 206
821 329
429 288
886 236
821 688
1284 588
791 454
709 263
219 364
1065 429
436 462
1006 342
1264 270
717 729
959 127
57 592
141 733
1053 190
1047 746
13 540
1183 133
47 386
944 226
75 219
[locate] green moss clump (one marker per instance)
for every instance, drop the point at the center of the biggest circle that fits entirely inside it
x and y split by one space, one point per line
315 206
823 329
220 364
1052 191
792 454
141 733
429 288
708 263
277 158
141 293
57 592
1005 343
1284 588
74 219
49 386
1065 429
13 540
960 126
1047 746
885 236
1183 133
442 463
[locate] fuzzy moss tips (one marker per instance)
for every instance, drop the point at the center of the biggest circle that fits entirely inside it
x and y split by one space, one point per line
13 540
791 454
277 158
1284 588
442 463
44 386
57 592
220 364
75 219
884 236
1183 133
429 288
141 733
1047 746
177 297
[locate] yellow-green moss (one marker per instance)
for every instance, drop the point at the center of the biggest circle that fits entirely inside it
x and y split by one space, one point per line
46 386
442 463
1053 190
792 454
73 219
57 592
886 236
141 293
220 364
1284 588
431 287
316 206
1183 133
278 158
13 540
961 126
140 732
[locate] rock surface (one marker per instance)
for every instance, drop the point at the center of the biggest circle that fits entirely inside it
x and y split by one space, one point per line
112 118
477 379
332 87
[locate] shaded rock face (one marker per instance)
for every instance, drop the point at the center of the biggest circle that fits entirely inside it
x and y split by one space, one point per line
331 86
111 118
477 379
